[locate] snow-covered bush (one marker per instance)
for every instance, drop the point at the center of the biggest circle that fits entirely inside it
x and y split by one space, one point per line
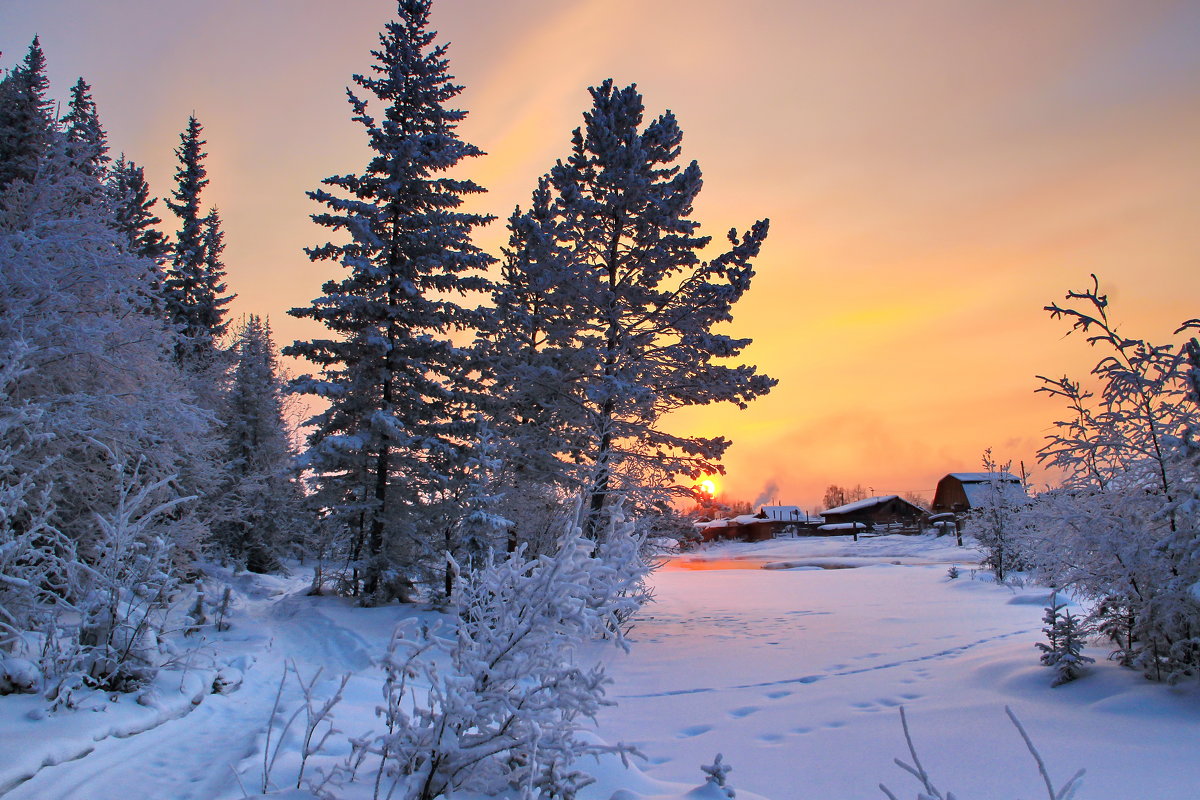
716 777
995 519
126 589
1065 640
507 707
36 559
1124 528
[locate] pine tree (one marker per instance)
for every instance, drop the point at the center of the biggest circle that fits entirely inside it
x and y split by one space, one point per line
261 501
642 304
533 366
1065 640
193 290
88 143
133 210
26 117
396 433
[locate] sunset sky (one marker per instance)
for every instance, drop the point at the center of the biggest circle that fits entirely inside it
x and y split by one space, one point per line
935 173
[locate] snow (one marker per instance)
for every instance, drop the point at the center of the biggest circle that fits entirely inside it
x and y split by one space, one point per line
985 477
859 505
843 526
793 672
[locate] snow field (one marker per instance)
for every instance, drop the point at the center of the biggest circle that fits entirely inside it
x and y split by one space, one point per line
794 674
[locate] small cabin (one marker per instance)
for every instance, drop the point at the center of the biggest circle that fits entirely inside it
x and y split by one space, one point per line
959 492
889 512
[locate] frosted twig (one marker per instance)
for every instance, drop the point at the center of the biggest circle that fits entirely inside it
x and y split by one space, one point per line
1068 789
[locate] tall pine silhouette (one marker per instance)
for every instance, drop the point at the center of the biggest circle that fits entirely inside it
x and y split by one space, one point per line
398 428
194 292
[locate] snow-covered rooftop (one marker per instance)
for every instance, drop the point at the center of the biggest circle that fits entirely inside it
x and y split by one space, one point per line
984 477
783 513
978 493
859 505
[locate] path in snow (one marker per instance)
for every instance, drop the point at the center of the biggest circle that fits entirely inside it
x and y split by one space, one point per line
193 757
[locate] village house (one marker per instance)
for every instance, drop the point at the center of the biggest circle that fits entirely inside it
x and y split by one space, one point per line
959 492
770 522
889 511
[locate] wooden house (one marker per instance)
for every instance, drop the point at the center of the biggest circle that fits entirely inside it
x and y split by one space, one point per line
888 511
959 492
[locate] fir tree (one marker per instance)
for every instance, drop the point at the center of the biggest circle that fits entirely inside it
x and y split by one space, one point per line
623 256
533 366
1065 640
26 117
133 210
193 291
261 500
395 434
88 143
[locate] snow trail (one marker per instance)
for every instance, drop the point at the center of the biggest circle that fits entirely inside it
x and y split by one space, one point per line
193 756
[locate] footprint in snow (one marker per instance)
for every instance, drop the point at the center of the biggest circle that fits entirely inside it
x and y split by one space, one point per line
837 723
888 701
771 738
777 695
801 730
694 730
744 711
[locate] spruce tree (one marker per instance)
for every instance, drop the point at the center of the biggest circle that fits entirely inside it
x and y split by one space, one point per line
261 500
88 143
640 301
396 434
193 291
532 365
26 117
133 210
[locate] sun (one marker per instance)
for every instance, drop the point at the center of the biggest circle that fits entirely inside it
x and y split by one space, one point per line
707 487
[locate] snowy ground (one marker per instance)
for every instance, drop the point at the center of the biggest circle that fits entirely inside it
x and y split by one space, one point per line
794 672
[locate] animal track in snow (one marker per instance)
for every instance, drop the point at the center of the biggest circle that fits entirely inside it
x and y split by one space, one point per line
694 730
744 711
778 695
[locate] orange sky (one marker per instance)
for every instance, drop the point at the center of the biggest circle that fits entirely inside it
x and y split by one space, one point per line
935 172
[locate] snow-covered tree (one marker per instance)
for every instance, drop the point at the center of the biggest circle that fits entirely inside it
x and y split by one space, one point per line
26 117
527 342
193 291
88 143
1124 528
95 375
1066 637
609 246
260 499
133 210
392 447
36 561
995 519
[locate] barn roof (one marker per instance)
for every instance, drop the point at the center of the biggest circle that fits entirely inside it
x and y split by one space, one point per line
977 492
984 477
870 502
